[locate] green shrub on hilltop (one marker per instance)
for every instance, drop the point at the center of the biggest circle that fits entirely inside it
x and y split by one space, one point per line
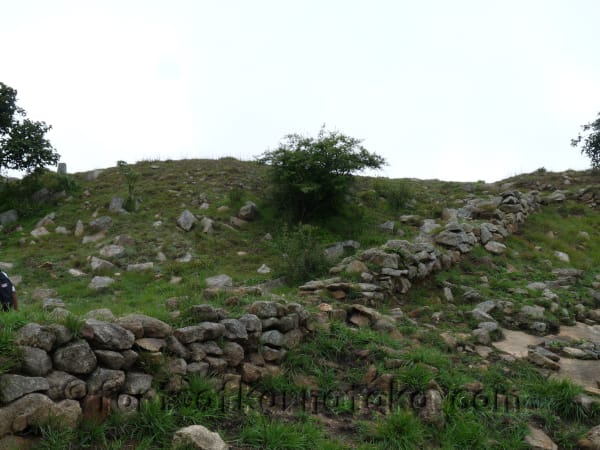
311 176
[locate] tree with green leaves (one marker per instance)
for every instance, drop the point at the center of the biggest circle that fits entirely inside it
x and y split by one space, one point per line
311 176
591 142
23 142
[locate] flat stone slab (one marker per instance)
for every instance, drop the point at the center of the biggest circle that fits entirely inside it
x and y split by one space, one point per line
585 373
581 331
516 342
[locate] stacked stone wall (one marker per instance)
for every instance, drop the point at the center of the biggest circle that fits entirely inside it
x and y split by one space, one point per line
116 365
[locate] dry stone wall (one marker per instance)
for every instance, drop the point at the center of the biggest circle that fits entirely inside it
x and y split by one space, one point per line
106 366
390 269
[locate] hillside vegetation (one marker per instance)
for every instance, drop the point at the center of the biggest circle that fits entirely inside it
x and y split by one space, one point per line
436 343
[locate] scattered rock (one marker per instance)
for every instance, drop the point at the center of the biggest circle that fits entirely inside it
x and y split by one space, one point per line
76 273
99 283
219 281
99 265
263 269
79 230
93 238
140 267
562 256
186 220
496 248
199 437
39 232
9 216
538 440
207 225
102 223
248 212
111 250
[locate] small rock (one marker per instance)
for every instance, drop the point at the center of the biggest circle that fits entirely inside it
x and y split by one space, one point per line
219 281
76 273
264 269
198 437
39 232
248 212
141 267
186 220
538 440
562 256
111 250
99 283
497 248
541 361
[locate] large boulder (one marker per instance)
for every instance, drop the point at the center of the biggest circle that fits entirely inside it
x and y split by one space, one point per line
14 386
137 383
76 357
273 338
35 335
105 382
265 309
234 330
9 216
108 336
63 386
457 236
36 409
380 258
35 361
110 359
202 332
151 326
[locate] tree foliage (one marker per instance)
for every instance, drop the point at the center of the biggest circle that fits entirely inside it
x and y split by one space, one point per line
311 176
591 142
23 143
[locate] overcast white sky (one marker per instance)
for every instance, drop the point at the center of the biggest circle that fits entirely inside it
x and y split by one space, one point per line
456 90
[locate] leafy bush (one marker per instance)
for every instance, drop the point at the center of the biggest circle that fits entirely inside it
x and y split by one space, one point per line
591 142
23 143
311 176
17 194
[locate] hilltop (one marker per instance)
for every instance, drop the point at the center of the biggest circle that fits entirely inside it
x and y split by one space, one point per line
403 285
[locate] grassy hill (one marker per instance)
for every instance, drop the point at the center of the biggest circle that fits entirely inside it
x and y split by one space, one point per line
431 344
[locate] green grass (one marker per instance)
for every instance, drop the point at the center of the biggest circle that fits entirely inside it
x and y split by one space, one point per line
402 430
270 434
331 358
